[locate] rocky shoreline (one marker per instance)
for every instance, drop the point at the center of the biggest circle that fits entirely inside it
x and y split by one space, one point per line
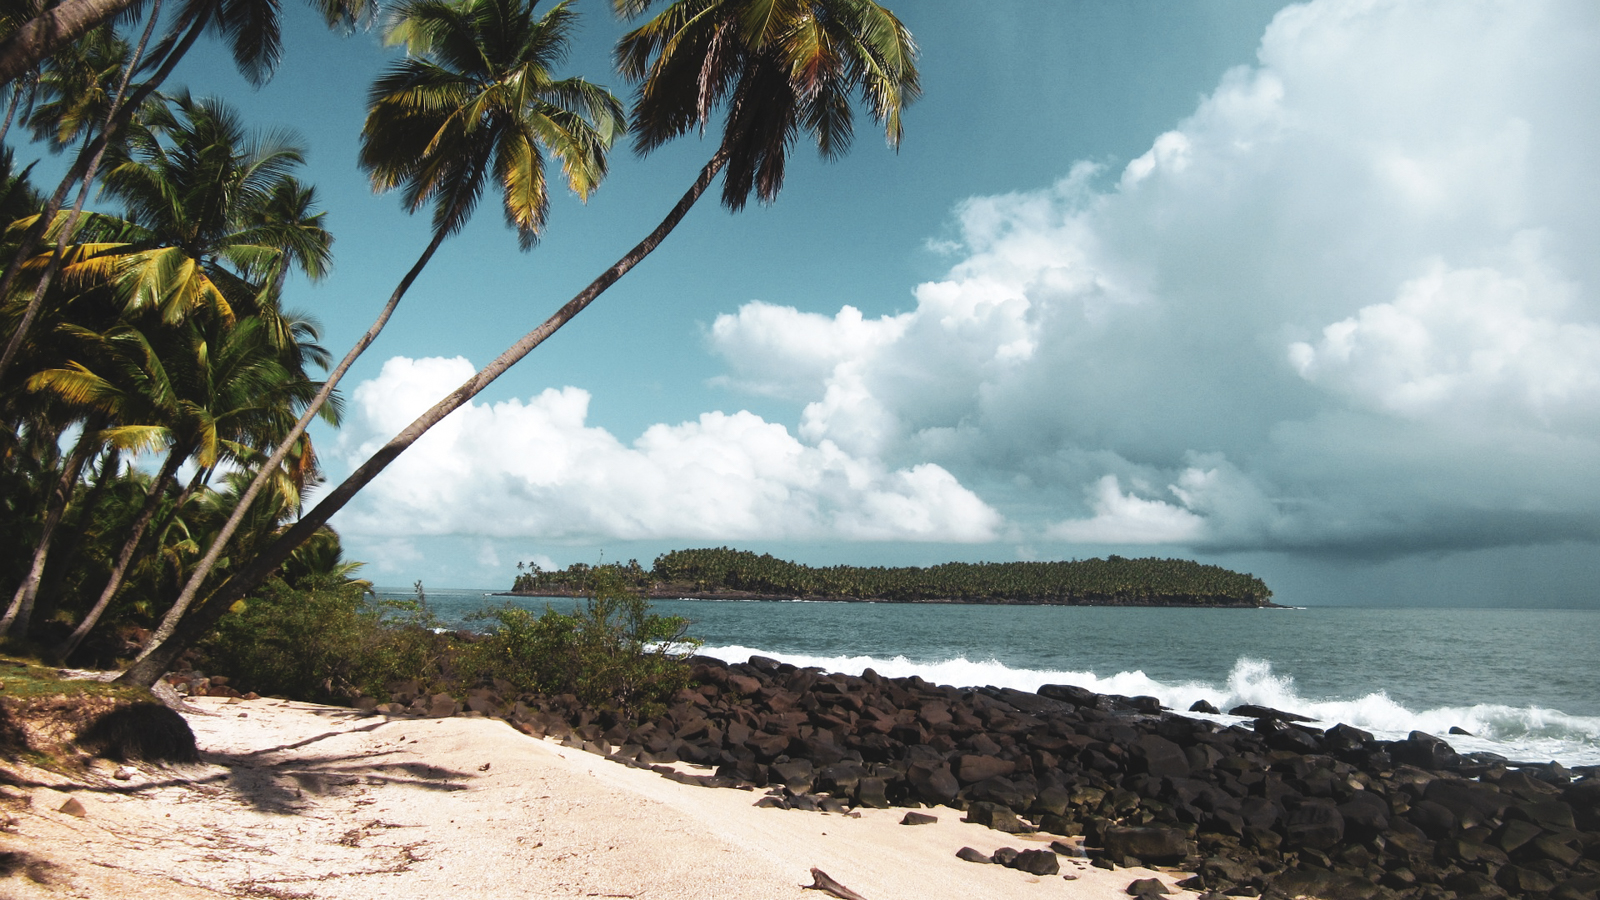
1273 808
680 592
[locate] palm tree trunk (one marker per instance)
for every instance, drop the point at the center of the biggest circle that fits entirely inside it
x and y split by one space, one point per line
82 173
11 110
219 543
20 612
56 27
152 500
67 551
169 640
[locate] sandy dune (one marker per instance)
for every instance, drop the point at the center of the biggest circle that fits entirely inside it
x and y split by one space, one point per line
298 800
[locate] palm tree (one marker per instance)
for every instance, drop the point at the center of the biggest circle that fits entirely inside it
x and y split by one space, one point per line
208 394
778 69
199 237
475 95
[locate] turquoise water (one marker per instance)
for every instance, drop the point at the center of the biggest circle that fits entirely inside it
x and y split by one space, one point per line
1526 683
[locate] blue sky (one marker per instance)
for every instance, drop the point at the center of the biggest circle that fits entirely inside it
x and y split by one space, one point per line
1307 291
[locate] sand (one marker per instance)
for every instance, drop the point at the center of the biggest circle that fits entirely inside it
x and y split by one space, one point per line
299 800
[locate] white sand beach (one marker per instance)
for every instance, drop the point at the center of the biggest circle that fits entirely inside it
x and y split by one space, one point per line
296 800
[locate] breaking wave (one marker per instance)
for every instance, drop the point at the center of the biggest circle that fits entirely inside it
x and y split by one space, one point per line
1528 734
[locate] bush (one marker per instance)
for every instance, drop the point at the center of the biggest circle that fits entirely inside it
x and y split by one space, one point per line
325 638
612 652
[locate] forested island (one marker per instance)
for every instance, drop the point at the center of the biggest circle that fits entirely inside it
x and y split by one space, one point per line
724 573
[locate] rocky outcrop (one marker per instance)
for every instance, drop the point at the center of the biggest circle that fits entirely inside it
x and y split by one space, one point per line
1271 807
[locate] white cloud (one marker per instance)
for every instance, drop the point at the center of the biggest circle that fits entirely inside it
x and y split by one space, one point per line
1354 295
536 468
1121 518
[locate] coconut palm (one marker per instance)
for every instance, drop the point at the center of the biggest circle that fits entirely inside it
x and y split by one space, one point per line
200 239
475 97
206 394
779 69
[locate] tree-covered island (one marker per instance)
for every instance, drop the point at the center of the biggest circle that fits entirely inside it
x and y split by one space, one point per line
1114 581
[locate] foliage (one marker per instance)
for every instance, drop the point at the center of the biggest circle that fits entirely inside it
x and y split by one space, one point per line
1114 580
610 652
324 637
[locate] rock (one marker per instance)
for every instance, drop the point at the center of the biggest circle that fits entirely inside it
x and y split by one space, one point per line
916 818
123 773
73 808
442 706
1005 856
993 815
1037 862
1202 706
1251 711
1316 824
1151 844
974 768
1067 693
872 793
1457 729
1423 751
1147 887
1524 881
971 855
1434 819
1318 882
933 784
1160 757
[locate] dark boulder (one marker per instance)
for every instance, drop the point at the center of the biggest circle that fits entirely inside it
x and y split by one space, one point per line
1158 756
1434 819
972 768
993 815
973 856
1315 823
1251 711
1148 844
1204 706
1067 693
1366 815
933 784
1148 887
1037 862
916 818
1423 751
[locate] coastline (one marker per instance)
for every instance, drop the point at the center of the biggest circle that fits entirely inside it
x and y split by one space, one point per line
672 592
300 800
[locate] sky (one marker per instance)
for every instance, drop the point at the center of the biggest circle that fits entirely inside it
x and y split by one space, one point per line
1304 290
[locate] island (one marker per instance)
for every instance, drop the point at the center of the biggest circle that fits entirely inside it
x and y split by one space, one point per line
723 573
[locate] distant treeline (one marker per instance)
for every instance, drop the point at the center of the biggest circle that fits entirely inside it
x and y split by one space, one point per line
1113 581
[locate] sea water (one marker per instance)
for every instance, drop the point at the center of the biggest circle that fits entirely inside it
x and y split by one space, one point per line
1524 683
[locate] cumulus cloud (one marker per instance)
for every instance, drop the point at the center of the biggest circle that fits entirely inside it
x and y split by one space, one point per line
535 467
1351 298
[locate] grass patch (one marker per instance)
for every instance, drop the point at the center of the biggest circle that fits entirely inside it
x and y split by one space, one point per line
24 679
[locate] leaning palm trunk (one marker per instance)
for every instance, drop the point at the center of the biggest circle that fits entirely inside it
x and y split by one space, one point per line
54 28
66 552
20 612
82 174
178 631
130 545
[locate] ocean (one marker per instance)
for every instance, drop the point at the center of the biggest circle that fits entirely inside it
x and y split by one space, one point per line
1524 683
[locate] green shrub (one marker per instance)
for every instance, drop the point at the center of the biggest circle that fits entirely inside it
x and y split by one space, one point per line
611 652
326 638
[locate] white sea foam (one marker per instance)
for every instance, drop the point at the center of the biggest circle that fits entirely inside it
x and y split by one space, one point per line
1521 733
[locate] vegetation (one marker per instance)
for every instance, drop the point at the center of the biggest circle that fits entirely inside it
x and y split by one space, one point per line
311 636
155 387
1111 581
612 652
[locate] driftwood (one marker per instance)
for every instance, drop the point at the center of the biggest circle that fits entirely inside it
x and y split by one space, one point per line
821 882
